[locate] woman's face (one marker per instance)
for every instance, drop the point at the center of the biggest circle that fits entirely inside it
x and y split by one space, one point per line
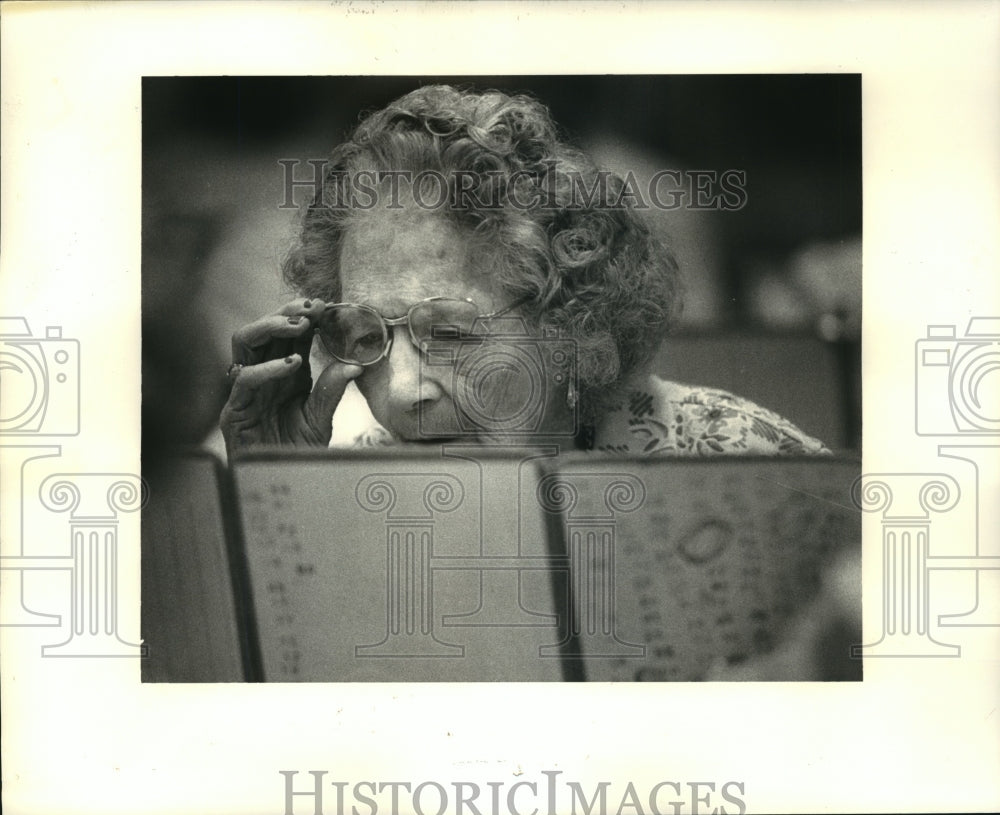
392 259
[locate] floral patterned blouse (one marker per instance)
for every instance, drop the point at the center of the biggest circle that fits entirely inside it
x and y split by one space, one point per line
669 419
661 418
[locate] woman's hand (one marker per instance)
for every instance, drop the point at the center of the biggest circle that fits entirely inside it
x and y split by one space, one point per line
273 400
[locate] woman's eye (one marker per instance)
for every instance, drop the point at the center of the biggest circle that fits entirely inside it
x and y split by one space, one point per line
370 340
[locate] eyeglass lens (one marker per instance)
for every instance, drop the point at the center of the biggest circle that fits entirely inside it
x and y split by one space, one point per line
357 334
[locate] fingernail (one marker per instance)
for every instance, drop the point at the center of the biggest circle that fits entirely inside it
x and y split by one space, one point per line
295 320
307 304
289 360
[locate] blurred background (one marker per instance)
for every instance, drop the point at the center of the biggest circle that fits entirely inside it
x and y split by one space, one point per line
773 304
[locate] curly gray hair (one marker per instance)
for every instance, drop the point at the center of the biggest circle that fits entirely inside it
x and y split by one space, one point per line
589 269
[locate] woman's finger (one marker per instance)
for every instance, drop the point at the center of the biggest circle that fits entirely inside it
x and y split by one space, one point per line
302 344
327 393
308 307
250 342
312 311
252 377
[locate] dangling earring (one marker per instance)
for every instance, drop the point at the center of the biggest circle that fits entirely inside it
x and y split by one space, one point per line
571 395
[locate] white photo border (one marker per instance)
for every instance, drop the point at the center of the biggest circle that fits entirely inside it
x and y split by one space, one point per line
83 735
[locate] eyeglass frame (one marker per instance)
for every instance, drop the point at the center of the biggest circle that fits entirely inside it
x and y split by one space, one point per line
392 322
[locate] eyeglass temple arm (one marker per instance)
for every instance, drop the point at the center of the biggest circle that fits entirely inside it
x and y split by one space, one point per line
511 307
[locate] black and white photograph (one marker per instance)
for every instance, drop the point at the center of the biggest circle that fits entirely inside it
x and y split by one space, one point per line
531 378
483 408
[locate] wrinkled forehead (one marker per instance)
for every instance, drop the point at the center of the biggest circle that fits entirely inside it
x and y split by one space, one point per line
393 257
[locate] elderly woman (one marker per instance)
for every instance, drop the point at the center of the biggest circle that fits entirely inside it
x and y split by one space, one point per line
476 277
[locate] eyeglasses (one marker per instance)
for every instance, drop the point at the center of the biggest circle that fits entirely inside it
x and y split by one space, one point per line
359 335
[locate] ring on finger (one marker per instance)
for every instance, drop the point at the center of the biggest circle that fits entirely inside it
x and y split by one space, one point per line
234 371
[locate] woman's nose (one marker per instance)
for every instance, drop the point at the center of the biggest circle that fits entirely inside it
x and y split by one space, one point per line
412 386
